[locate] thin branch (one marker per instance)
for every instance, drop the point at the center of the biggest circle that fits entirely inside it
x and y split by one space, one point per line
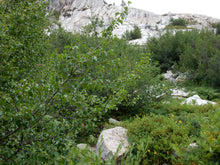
19 148
53 95
15 105
39 140
11 133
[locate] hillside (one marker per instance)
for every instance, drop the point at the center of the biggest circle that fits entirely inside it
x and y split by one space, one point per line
74 14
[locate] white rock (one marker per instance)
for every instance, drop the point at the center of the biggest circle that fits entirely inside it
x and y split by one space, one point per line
109 142
82 146
192 145
179 93
170 76
195 99
113 121
76 13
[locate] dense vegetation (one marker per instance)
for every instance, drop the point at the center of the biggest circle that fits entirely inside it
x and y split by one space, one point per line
133 34
178 22
58 87
57 90
197 53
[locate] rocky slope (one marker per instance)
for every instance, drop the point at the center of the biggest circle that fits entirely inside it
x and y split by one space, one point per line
77 13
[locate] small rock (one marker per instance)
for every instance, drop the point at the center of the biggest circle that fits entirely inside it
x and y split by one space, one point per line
82 146
192 145
179 93
113 121
170 76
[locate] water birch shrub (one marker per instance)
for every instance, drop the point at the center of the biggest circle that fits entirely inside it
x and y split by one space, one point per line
44 112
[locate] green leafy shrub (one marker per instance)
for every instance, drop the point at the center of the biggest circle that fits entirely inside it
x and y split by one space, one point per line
213 73
217 26
23 43
196 53
157 139
143 91
60 38
42 112
166 49
92 28
158 133
174 106
134 34
206 93
200 59
178 22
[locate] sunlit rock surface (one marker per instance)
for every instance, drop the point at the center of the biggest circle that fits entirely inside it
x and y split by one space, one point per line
77 13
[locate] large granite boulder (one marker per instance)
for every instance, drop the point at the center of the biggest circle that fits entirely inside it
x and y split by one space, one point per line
112 141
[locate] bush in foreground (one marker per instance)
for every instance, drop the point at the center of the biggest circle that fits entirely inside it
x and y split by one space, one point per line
159 139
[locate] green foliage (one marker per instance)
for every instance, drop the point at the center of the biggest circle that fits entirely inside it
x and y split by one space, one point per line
62 88
167 49
42 111
158 134
200 59
134 34
60 38
144 90
92 28
163 139
22 41
213 73
57 89
206 94
217 26
178 22
194 52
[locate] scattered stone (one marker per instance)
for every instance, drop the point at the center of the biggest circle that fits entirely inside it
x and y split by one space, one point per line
192 145
196 100
82 146
170 76
113 121
175 77
177 93
110 141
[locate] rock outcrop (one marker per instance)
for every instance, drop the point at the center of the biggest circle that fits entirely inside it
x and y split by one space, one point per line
77 13
59 5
